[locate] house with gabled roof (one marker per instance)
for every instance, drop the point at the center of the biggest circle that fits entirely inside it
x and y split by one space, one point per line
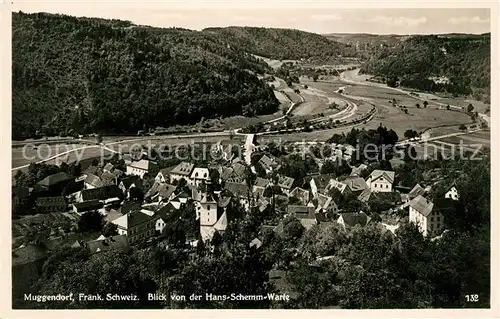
118 242
304 213
105 193
53 185
181 171
238 174
452 191
142 167
269 164
129 182
91 170
87 206
415 191
333 183
428 216
349 220
211 213
165 193
163 175
357 170
108 178
320 183
262 204
136 225
162 216
21 195
239 191
108 168
365 195
225 174
325 204
92 181
355 185
285 183
301 194
381 181
199 176
260 186
51 204
161 192
256 242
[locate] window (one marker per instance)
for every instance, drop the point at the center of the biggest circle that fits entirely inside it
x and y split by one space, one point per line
438 225
439 219
386 186
208 207
432 219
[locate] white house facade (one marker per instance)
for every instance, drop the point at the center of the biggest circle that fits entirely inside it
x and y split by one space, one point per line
380 181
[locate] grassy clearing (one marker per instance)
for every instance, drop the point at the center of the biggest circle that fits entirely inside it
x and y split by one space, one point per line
468 139
25 155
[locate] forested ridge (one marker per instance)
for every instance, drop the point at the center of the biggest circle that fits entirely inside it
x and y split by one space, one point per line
463 59
80 75
283 44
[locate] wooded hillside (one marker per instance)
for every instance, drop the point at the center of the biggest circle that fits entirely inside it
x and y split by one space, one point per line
464 60
284 44
80 75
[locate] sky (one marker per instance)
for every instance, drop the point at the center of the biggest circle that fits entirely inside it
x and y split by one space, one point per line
319 17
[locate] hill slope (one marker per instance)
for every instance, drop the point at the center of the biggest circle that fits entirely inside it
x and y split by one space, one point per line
463 59
284 44
93 75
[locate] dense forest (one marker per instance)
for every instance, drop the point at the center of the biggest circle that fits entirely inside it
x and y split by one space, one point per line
284 44
463 60
81 75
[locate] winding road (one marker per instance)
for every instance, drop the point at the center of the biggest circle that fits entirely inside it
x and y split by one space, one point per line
347 77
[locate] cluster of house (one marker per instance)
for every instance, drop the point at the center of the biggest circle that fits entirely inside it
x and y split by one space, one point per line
110 191
429 215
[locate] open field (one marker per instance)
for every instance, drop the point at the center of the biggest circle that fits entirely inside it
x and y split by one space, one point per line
439 131
466 140
97 151
294 97
25 155
353 77
275 64
281 97
474 139
313 105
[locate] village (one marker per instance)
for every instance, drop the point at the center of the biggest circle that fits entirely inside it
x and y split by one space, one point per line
134 199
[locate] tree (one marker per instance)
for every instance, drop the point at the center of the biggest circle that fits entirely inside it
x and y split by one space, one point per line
425 104
136 194
120 273
448 107
315 77
328 167
109 230
98 139
292 228
417 105
462 127
37 234
410 134
90 222
391 82
470 108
